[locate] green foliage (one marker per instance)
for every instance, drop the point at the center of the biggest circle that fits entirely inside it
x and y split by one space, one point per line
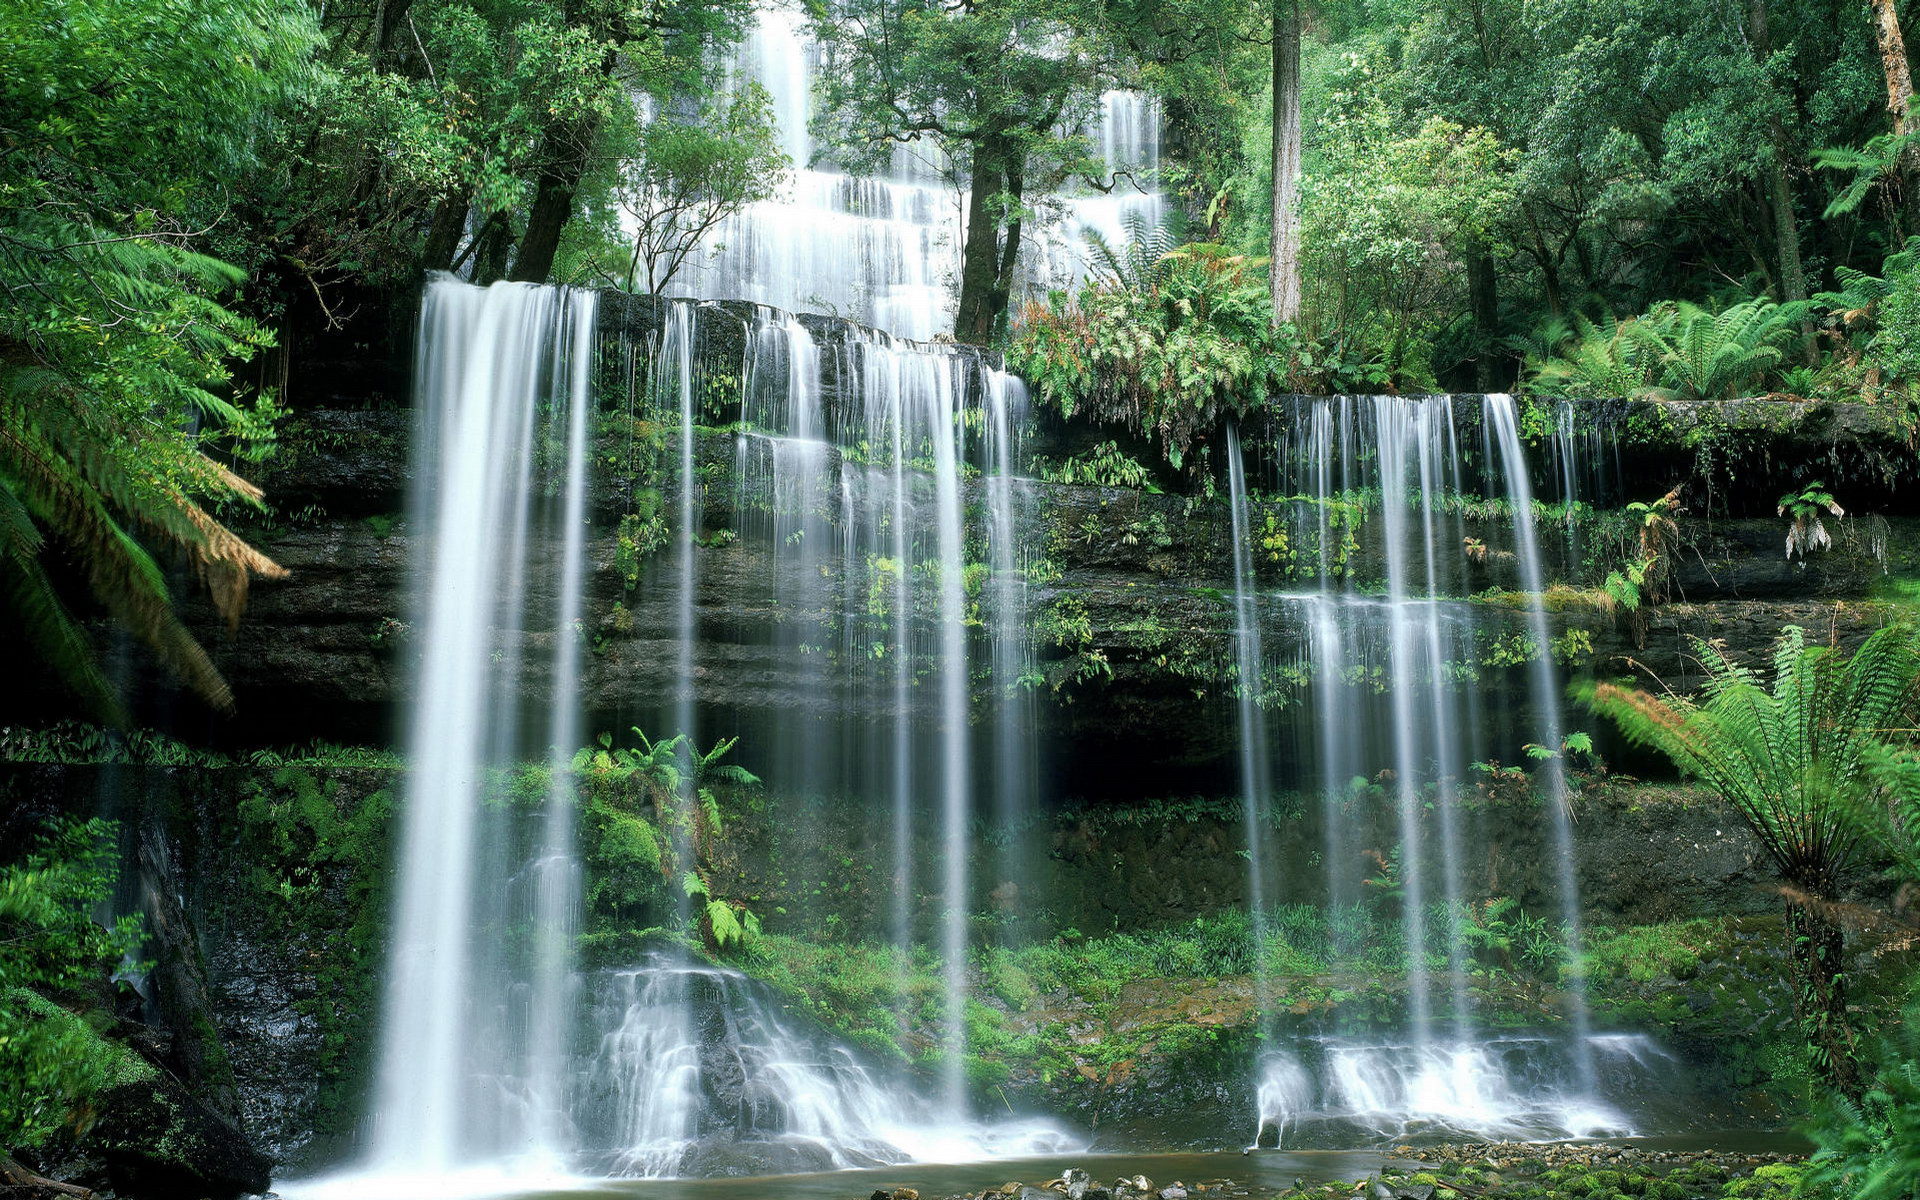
1806 506
639 537
309 828
690 173
1166 343
1646 952
1106 465
51 1061
653 815
1675 351
72 742
1782 753
998 89
1878 162
316 855
116 342
1388 213
1793 758
1871 1150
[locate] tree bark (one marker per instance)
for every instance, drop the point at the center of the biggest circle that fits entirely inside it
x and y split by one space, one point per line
980 255
30 1183
998 301
1893 60
1284 270
567 148
1818 949
1786 226
490 249
1483 297
443 236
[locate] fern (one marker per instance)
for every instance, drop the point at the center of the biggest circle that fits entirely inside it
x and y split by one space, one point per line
1798 755
1870 1150
1675 351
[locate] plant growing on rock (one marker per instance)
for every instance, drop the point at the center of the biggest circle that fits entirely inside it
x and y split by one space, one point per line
1644 579
1807 506
1163 339
682 841
1791 754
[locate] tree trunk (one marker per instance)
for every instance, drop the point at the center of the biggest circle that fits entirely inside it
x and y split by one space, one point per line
980 256
1483 295
1786 226
1893 61
567 146
443 236
490 249
393 14
1284 271
1818 949
1016 177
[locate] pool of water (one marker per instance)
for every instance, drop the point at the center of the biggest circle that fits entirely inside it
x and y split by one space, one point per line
1262 1171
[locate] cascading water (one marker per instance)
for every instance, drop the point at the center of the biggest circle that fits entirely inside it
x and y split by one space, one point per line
862 248
1016 767
1332 1090
508 1064
1503 430
471 1061
884 251
699 1074
1391 645
1256 789
868 466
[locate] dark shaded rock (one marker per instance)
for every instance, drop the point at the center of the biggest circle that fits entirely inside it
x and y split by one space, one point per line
157 1140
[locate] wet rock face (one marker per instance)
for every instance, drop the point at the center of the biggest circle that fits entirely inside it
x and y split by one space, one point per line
1141 580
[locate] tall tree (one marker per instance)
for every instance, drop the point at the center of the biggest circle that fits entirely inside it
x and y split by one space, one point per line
1900 103
992 84
1284 270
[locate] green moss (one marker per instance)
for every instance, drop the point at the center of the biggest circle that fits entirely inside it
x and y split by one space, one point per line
1643 953
317 847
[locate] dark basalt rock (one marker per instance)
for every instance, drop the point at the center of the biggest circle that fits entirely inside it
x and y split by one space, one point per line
157 1140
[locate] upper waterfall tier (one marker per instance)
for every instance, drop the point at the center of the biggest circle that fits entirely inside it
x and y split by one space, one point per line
884 250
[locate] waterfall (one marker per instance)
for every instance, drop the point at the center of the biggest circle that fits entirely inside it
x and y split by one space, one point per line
884 251
685 1039
1371 521
866 465
1332 1090
1504 429
1249 660
864 248
1016 767
471 1055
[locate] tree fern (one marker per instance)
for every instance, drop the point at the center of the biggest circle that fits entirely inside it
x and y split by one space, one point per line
1793 754
116 342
